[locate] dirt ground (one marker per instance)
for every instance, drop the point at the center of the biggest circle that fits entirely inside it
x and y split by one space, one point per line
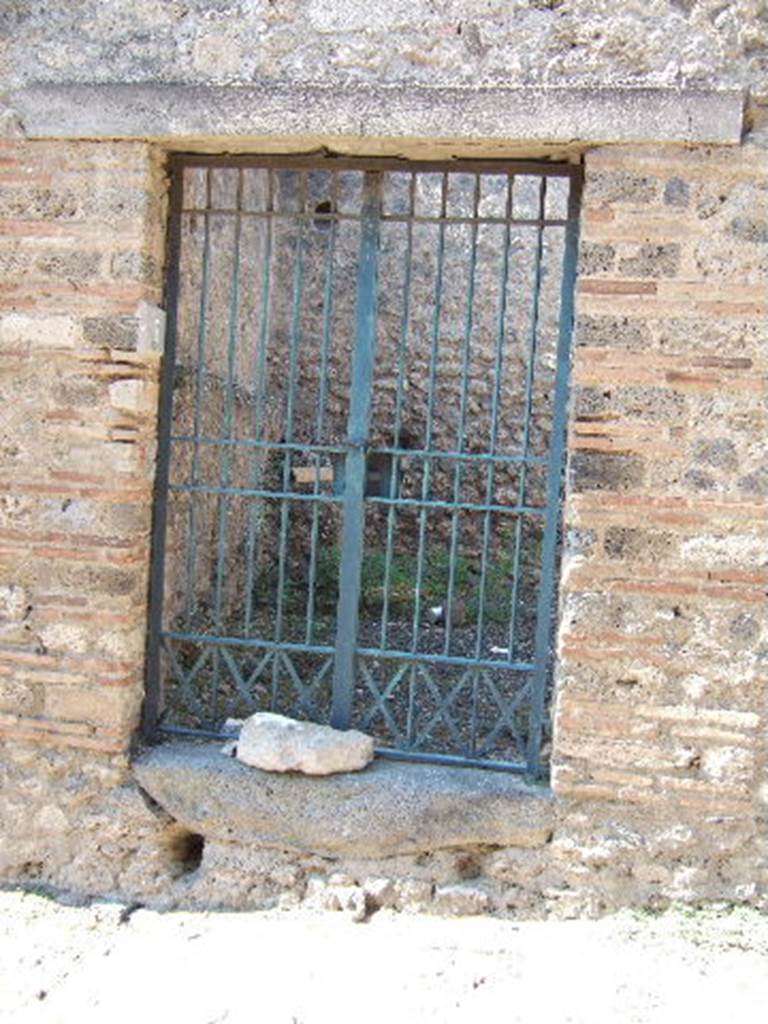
112 963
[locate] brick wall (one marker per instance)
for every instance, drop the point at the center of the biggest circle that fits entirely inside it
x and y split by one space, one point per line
663 670
83 228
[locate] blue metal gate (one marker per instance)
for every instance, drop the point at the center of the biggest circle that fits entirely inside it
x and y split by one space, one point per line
361 457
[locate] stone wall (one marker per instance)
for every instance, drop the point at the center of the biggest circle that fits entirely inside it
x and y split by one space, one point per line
660 42
663 650
660 766
660 780
82 248
664 640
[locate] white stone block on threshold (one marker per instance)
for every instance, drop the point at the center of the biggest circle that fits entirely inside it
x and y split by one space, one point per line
275 743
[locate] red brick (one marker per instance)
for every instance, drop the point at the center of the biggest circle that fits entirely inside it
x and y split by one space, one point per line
598 286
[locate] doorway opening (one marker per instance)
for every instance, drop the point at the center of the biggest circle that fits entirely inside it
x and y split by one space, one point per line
362 447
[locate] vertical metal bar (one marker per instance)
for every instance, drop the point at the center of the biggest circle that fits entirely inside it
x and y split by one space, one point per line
397 440
225 474
427 463
410 721
290 408
554 480
530 374
462 419
255 512
153 698
330 256
202 332
357 439
491 466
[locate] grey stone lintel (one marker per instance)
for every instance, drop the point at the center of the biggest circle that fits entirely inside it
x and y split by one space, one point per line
557 114
389 808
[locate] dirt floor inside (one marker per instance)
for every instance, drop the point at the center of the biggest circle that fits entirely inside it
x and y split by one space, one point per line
109 962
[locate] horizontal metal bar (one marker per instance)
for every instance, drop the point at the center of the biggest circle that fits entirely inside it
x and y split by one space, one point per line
330 162
202 733
443 659
450 759
254 642
290 446
432 453
250 492
341 449
369 652
386 218
463 506
387 752
253 492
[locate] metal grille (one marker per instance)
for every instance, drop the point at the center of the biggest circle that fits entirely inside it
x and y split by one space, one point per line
361 450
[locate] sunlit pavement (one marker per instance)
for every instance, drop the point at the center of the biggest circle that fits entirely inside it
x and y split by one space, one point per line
109 963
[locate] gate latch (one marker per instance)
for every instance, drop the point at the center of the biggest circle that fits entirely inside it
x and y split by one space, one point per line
379 470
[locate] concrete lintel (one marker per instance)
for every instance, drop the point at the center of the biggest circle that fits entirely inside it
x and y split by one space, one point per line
561 114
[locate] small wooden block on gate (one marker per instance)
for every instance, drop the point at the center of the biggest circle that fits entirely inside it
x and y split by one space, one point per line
309 474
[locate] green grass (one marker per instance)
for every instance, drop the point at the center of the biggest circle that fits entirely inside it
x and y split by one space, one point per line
404 574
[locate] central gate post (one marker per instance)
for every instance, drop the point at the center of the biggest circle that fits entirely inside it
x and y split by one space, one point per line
363 359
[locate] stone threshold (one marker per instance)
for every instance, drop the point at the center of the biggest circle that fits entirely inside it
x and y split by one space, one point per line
388 809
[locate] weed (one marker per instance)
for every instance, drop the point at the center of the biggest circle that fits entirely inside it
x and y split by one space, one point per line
399 578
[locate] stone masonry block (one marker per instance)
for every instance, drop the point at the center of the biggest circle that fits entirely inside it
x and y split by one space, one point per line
596 258
652 261
621 186
20 330
95 705
597 471
611 331
114 332
127 394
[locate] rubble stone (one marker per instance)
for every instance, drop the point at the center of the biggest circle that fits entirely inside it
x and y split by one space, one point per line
461 900
276 743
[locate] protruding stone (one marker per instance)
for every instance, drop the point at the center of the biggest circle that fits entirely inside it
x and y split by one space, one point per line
380 891
343 895
462 899
516 865
275 743
413 894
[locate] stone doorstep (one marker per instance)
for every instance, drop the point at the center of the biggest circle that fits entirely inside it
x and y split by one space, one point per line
388 809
